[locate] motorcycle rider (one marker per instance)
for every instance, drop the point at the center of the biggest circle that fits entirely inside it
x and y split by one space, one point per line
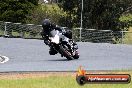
49 26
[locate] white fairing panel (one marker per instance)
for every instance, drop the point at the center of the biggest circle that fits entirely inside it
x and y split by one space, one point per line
56 38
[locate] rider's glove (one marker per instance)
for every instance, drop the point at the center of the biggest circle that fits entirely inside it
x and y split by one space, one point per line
75 46
63 32
47 42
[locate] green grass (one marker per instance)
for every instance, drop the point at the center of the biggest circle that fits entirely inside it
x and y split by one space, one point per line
1 32
15 34
54 82
128 37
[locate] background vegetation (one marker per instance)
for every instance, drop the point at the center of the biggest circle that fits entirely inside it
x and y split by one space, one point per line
16 10
97 14
43 11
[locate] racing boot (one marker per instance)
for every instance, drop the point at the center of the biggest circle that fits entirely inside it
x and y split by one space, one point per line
52 51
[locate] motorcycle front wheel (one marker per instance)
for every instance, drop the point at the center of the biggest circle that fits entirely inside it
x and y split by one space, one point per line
66 53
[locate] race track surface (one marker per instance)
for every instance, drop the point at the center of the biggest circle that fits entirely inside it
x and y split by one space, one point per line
32 55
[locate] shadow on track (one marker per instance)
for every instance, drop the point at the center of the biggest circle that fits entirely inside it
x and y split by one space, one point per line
58 60
61 60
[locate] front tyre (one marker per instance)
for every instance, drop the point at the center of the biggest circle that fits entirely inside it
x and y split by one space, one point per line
66 53
76 56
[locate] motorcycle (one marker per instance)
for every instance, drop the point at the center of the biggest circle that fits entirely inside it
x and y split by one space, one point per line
63 45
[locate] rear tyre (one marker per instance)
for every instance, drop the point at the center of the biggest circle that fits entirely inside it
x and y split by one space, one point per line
66 53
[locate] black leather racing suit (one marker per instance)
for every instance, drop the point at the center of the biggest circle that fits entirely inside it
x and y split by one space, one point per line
45 35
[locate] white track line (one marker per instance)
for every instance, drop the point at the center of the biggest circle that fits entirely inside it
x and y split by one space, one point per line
3 59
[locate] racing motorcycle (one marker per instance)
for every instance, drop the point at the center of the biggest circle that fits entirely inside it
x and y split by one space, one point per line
62 45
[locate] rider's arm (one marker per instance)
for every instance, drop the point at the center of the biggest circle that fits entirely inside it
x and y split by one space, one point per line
58 28
61 30
45 37
46 40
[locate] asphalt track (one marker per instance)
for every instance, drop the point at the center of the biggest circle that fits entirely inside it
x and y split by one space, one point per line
32 55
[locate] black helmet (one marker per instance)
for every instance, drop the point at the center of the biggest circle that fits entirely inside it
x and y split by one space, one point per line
46 24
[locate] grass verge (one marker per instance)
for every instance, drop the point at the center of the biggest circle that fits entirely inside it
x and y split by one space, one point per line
52 80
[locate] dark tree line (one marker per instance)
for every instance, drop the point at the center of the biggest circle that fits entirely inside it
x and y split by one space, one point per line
16 10
98 14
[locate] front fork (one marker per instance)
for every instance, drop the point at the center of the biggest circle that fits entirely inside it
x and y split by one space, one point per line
71 48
